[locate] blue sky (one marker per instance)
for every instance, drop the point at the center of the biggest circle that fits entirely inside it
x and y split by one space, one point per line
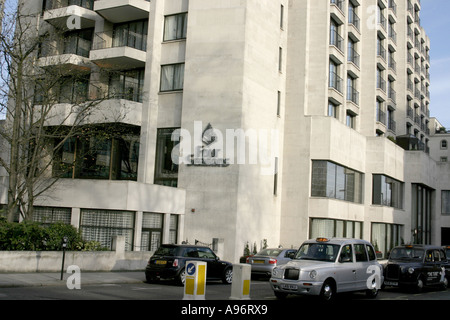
435 19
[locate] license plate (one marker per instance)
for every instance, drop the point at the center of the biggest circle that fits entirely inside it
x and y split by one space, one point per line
161 262
258 261
391 283
289 287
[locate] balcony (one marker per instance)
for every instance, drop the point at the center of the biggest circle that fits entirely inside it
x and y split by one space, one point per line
119 49
70 14
118 11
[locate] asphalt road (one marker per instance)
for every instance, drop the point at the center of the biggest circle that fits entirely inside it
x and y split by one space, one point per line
259 291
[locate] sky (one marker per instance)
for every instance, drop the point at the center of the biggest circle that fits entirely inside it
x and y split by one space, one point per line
434 17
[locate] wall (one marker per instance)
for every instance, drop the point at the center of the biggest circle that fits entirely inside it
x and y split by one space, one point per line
51 261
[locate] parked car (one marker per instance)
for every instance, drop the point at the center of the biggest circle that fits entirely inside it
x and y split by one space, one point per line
416 266
323 267
169 261
265 260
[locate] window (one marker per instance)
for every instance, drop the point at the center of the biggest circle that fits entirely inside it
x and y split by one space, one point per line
131 34
282 17
152 229
387 191
335 228
334 80
445 202
73 89
275 178
333 110
78 42
280 59
360 253
166 171
352 93
99 152
346 254
333 181
175 27
371 253
48 215
128 85
278 103
385 237
172 77
444 145
350 120
173 228
102 225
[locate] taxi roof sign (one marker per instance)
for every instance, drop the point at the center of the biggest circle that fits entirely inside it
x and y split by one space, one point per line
322 239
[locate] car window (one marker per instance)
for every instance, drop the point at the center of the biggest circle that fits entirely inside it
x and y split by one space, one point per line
360 253
436 256
346 254
318 251
407 254
191 253
206 253
288 253
429 256
269 252
371 252
166 251
442 253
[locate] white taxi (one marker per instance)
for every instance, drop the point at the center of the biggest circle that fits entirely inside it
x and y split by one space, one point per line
326 266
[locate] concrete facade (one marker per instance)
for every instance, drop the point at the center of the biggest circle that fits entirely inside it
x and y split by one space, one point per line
298 84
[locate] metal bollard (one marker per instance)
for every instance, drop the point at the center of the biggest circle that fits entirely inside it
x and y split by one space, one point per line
240 288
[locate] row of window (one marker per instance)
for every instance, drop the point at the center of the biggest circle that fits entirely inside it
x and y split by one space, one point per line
383 236
330 180
102 225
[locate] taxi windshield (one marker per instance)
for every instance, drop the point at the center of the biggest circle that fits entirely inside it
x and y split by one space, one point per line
407 254
318 251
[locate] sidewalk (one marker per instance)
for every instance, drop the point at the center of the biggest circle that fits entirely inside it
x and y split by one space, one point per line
11 280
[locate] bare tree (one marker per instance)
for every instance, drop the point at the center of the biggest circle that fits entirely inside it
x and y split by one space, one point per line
37 123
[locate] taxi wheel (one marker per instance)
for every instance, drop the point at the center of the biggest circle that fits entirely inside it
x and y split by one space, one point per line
328 291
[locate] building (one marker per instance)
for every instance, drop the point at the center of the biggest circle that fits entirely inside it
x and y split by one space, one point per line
291 120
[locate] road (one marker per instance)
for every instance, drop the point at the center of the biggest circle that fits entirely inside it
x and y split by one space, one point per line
260 290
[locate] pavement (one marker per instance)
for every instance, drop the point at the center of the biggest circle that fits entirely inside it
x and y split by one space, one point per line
39 279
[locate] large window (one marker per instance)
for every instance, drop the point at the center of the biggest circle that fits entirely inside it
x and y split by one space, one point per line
172 77
102 225
128 85
385 237
331 180
335 228
48 215
445 202
131 34
152 230
387 191
421 202
175 27
166 171
106 152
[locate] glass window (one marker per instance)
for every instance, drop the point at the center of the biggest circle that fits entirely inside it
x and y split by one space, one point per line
172 77
102 225
445 202
346 254
387 191
175 27
331 180
152 229
49 215
335 228
128 85
360 253
371 253
131 34
166 171
385 237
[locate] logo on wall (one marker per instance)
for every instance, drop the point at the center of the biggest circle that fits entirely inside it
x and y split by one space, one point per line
207 155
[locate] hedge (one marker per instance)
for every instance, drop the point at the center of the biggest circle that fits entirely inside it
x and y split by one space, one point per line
35 236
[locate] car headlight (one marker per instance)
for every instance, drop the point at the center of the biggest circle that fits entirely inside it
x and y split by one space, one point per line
313 274
276 273
411 270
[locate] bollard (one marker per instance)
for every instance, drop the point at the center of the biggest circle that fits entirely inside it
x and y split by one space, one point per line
240 287
195 284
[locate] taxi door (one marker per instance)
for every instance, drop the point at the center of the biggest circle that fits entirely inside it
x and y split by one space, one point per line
345 269
432 267
361 266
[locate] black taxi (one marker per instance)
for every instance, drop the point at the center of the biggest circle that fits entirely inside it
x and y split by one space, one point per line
416 266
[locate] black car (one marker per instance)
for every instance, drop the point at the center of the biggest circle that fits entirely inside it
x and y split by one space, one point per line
416 266
169 261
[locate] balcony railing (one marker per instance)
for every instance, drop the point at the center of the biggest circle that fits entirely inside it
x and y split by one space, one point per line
335 82
120 38
353 95
56 4
336 40
353 56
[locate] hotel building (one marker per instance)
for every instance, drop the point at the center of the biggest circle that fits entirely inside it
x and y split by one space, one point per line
292 118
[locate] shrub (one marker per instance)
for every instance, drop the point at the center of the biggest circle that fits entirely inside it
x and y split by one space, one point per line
35 236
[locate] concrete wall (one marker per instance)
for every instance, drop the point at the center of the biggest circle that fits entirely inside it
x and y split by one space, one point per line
51 261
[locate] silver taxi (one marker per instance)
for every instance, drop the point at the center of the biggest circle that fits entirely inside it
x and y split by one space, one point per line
326 266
